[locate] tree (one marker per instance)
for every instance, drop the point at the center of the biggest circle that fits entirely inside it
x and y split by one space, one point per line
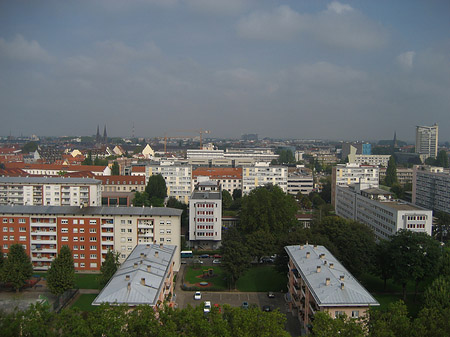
383 262
237 194
141 199
156 187
227 200
416 256
285 157
437 294
88 159
172 202
109 267
325 326
29 147
260 243
398 191
391 172
17 267
442 229
442 159
61 275
393 322
115 170
325 194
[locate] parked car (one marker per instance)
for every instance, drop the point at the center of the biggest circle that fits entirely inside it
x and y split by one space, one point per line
198 261
270 294
266 259
204 256
197 295
217 256
245 305
216 261
207 307
266 308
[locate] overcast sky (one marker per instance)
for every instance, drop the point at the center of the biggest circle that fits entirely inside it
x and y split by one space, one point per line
283 69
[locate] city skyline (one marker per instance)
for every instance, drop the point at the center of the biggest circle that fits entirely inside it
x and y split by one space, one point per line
291 69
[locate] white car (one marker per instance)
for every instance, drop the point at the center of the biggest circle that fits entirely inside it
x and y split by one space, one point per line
197 295
207 307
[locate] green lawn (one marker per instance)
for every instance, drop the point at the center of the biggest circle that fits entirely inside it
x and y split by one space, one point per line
84 302
218 281
262 278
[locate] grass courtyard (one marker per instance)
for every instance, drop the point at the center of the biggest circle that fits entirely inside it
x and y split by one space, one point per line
84 302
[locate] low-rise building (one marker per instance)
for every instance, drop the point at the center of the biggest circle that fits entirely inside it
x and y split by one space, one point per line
318 282
88 231
145 277
377 209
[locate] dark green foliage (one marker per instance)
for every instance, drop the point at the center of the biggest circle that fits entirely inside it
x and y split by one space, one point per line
442 159
441 230
325 194
17 267
100 162
383 262
237 194
115 170
88 160
29 147
172 202
393 322
285 157
156 187
260 243
391 172
141 199
109 267
61 275
437 294
227 200
398 190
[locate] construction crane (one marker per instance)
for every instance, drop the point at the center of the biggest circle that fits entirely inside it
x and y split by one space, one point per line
199 131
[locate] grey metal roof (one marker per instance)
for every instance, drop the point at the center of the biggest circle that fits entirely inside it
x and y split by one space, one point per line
48 180
127 285
206 195
353 294
142 211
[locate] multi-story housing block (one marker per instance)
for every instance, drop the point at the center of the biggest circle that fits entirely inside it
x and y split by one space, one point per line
205 215
88 231
51 191
377 209
431 188
346 174
145 277
229 178
56 170
177 176
369 159
262 174
318 282
122 183
427 138
404 175
300 182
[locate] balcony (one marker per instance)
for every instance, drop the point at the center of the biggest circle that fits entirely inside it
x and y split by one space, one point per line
41 259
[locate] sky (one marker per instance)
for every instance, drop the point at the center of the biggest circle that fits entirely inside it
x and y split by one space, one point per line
341 70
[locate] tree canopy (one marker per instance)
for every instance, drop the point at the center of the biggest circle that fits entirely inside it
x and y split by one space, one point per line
17 267
227 200
391 172
61 275
442 159
109 267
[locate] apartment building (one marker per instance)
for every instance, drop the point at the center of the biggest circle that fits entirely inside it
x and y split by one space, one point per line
177 176
205 215
431 188
51 191
56 170
262 174
404 175
145 277
369 159
346 174
88 231
427 138
377 209
229 178
122 183
300 182
318 282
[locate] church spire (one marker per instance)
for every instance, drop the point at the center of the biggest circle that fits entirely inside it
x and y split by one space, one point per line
394 143
105 136
97 137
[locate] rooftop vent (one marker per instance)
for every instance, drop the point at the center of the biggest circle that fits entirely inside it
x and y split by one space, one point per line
135 265
308 254
156 254
127 277
327 281
322 255
149 268
161 245
341 278
129 286
142 255
332 265
143 281
342 286
318 269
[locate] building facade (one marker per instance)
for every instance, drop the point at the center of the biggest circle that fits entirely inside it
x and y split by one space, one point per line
205 215
379 211
404 175
88 231
431 188
229 178
300 182
318 282
262 174
427 138
51 191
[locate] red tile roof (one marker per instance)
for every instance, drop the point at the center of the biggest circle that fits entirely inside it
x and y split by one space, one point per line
218 172
122 180
138 169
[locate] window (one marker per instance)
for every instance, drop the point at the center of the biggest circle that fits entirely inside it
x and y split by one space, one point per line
64 238
168 240
22 229
93 265
122 222
130 222
161 231
22 238
130 248
75 264
75 256
355 313
81 222
5 229
81 238
5 220
161 222
75 247
11 237
82 247
122 230
92 222
92 230
11 220
64 222
93 239
5 246
123 248
5 237
161 240
75 221
81 230
64 230
123 256
130 230
168 222
75 238
93 256
93 247
81 256
130 239
21 220
338 313
169 231
11 229
122 239
75 230
82 265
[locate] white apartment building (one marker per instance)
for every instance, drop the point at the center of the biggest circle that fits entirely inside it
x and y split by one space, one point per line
255 154
53 191
347 174
298 182
404 175
431 188
205 215
178 178
427 138
369 159
263 173
377 209
229 178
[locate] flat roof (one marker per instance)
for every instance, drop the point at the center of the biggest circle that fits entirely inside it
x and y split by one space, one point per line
402 205
47 180
206 195
140 278
89 210
353 293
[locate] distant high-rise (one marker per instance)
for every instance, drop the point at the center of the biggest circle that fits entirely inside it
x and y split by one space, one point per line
427 140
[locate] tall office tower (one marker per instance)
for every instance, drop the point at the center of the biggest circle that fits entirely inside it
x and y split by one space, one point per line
427 140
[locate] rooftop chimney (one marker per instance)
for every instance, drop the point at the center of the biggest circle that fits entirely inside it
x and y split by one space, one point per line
301 246
315 246
318 269
342 286
129 286
308 254
156 254
148 245
135 265
142 255
127 277
149 268
332 265
322 255
341 278
161 245
327 281
143 281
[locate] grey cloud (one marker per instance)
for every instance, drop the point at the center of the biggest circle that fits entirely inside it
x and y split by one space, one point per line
21 49
218 7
